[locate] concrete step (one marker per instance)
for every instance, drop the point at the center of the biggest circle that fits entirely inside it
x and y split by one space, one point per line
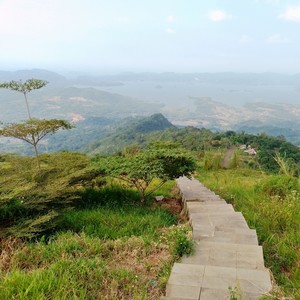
235 230
207 200
210 231
227 255
227 237
204 282
198 197
234 219
194 207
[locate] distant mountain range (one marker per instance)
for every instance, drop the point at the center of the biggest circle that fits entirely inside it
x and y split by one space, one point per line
95 111
274 119
61 99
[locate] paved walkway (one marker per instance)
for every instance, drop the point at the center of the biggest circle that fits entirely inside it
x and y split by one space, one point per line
227 255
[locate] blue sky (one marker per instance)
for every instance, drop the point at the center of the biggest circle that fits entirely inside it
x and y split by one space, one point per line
158 35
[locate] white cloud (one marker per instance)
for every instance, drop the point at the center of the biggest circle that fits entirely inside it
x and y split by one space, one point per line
292 13
170 31
170 19
219 15
277 39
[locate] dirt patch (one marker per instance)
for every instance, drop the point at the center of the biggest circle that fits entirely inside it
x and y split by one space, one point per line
228 157
7 248
174 206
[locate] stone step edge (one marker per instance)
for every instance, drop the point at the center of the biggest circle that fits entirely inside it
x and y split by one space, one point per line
181 275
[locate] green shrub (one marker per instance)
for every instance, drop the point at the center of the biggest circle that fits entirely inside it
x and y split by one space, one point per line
212 161
183 241
279 185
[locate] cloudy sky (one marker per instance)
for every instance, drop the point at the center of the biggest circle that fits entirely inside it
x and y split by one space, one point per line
157 35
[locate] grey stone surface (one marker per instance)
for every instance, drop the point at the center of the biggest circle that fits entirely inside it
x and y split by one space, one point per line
211 294
226 255
183 291
194 207
227 237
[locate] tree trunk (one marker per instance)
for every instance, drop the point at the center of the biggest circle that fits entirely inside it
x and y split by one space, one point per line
27 105
36 155
143 196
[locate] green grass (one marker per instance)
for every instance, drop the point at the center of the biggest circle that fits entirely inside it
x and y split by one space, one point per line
107 245
78 266
83 236
273 209
115 223
166 190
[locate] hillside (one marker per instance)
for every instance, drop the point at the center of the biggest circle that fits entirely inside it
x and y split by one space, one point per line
199 100
73 220
203 140
100 135
130 131
61 98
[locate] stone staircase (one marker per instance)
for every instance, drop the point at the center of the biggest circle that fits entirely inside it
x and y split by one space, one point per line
227 255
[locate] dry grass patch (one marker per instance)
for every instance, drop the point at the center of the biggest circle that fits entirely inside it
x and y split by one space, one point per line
77 266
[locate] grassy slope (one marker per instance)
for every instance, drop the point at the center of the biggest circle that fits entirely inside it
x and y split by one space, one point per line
99 253
104 244
271 205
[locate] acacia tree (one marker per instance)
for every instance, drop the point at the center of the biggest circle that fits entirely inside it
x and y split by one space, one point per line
141 169
24 88
33 131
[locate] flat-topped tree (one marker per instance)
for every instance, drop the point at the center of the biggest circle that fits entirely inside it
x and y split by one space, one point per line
139 169
33 131
24 88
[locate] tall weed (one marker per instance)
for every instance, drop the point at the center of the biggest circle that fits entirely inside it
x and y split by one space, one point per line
212 160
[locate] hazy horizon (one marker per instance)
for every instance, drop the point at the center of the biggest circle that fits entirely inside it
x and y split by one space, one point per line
116 36
180 89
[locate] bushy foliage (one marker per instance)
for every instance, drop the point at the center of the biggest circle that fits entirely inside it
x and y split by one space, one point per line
268 147
164 161
31 199
212 160
279 185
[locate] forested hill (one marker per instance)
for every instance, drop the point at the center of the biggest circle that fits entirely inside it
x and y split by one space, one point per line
142 131
130 131
100 135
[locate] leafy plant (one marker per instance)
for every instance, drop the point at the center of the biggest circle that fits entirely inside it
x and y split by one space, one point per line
235 293
287 166
31 199
279 185
156 162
